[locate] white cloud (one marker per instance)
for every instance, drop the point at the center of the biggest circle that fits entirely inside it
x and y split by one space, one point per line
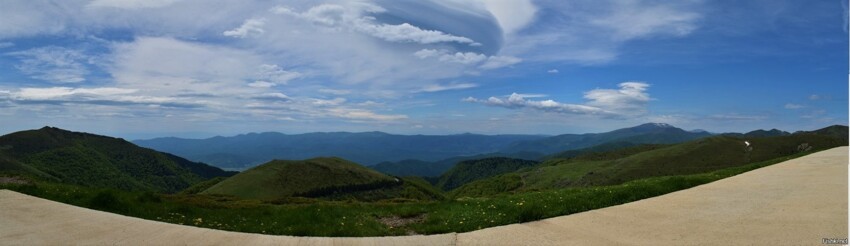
633 19
274 96
166 66
96 96
517 101
737 117
361 114
132 4
53 64
439 87
592 32
249 27
628 101
63 92
529 95
276 75
468 58
814 97
334 91
512 15
631 98
494 62
426 53
370 104
552 71
354 17
463 57
6 44
408 33
793 106
333 102
261 84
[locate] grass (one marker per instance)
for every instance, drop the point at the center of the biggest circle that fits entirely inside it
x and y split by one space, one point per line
645 161
278 179
309 217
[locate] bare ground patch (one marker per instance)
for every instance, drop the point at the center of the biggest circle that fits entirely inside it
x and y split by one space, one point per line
14 181
399 222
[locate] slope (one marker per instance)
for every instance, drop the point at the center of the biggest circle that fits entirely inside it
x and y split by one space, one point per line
318 177
436 168
97 161
471 170
616 167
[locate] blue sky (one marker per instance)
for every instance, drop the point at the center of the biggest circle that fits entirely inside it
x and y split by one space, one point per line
198 68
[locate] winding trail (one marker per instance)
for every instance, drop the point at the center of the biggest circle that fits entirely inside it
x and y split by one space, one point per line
797 202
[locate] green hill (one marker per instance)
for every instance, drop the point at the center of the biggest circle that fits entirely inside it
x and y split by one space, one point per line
97 161
332 178
433 170
837 131
471 170
606 150
619 166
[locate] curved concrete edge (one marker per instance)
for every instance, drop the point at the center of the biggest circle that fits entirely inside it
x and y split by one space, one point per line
796 202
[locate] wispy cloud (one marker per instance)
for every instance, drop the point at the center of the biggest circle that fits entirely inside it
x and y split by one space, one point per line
629 100
53 64
592 32
446 87
132 4
94 96
468 58
362 114
494 62
793 106
737 117
249 27
354 17
334 91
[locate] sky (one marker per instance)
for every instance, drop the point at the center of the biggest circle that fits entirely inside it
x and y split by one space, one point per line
200 68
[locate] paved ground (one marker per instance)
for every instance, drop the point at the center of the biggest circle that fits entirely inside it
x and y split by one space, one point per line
797 202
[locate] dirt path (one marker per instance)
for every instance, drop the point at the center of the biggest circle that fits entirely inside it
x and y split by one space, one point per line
796 202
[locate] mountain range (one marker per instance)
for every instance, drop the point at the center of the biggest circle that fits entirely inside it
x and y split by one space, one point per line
248 150
390 153
650 133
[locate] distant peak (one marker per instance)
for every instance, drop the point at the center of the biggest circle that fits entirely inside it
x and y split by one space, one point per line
656 125
50 128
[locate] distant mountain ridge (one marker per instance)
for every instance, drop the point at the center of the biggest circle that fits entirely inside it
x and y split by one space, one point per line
649 133
98 161
421 155
434 153
247 150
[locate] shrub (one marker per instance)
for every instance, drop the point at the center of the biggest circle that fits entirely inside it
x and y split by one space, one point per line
107 201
